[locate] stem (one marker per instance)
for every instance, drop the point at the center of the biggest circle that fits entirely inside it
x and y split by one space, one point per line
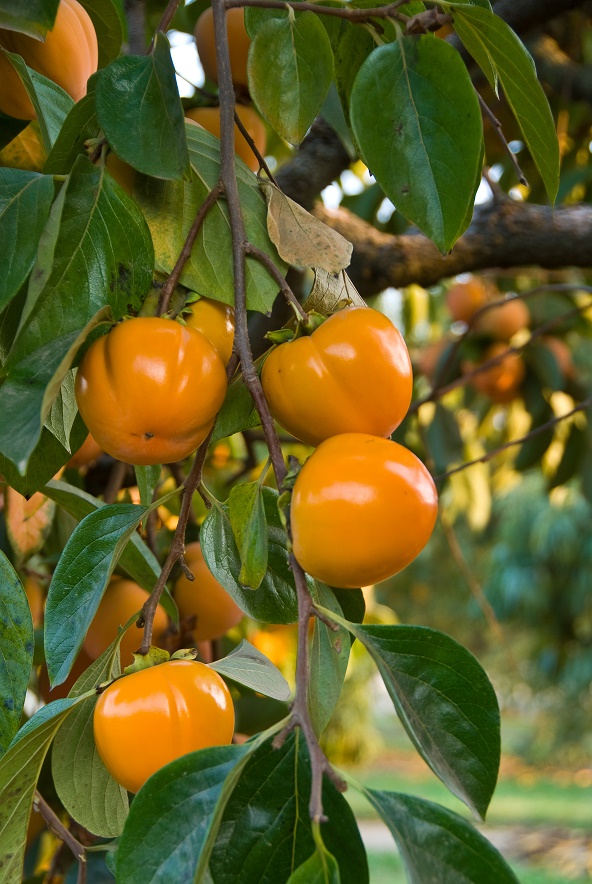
166 19
487 112
55 825
171 283
254 148
274 272
354 15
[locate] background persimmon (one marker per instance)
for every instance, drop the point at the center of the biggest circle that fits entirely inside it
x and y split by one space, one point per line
238 40
205 599
215 320
209 118
503 321
500 382
464 298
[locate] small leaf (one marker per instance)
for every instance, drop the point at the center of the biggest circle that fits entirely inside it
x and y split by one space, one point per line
63 412
238 411
331 292
443 439
416 119
25 201
573 455
275 599
248 666
320 868
249 526
138 93
147 479
32 17
16 651
298 51
80 125
517 74
438 845
51 103
329 656
28 522
299 237
80 579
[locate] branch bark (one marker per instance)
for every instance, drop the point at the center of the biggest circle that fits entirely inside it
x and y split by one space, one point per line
506 234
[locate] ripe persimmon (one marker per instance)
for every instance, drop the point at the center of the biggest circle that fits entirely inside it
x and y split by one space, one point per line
464 298
209 119
500 382
503 321
88 452
68 56
239 43
205 599
216 321
121 600
150 389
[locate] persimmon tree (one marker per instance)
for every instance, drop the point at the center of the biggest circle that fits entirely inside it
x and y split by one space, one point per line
116 207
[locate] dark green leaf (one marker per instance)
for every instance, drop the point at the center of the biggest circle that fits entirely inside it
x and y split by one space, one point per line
80 125
32 17
445 702
46 460
16 651
238 411
147 479
573 454
51 103
332 112
543 363
517 74
25 201
320 868
329 656
443 439
170 206
86 789
275 599
10 128
80 579
138 93
416 119
352 603
246 665
438 845
532 450
265 826
249 526
95 251
108 22
298 51
351 46
255 18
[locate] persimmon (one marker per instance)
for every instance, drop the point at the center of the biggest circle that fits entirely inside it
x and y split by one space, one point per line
149 390
209 118
503 321
148 718
362 509
562 355
205 599
463 299
428 358
239 44
88 452
121 600
121 171
35 597
500 382
352 374
278 645
216 321
68 56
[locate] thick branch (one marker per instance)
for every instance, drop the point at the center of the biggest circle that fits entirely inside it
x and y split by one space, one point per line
507 234
321 159
525 15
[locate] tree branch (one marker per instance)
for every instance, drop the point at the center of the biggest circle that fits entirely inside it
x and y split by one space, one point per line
508 234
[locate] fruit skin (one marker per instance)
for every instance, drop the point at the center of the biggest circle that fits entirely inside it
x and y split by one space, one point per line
465 298
216 321
215 611
86 454
121 171
147 719
68 56
121 600
353 374
501 382
239 44
150 389
362 509
504 321
209 118
35 598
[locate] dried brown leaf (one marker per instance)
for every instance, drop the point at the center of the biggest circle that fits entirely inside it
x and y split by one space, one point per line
332 292
27 522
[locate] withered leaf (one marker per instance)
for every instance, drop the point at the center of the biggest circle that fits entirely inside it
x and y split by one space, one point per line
331 292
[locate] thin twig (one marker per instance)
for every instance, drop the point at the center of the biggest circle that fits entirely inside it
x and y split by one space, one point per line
274 272
115 481
55 825
165 20
260 158
175 275
486 110
581 406
354 15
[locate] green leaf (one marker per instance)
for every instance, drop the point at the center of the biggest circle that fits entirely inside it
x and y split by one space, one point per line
108 22
246 665
19 772
80 579
46 460
572 457
25 201
246 512
16 651
416 119
256 17
320 868
329 656
298 51
532 450
32 17
80 125
443 439
51 103
139 562
136 94
86 788
351 46
268 847
10 128
238 411
275 599
517 75
95 251
445 702
147 479
63 412
438 845
170 207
